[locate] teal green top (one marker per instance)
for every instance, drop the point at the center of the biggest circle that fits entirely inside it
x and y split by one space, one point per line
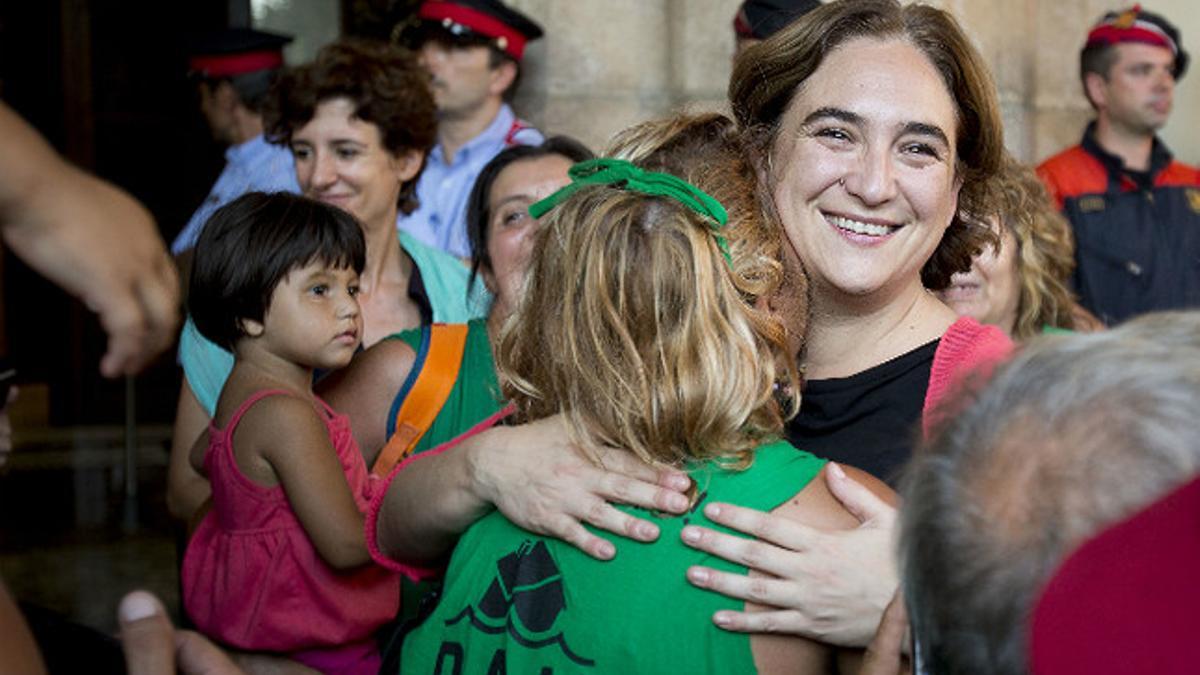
206 366
476 393
520 603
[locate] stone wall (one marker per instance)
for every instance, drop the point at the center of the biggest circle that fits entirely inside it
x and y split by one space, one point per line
608 63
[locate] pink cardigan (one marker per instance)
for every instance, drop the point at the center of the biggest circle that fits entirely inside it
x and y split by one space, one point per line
966 355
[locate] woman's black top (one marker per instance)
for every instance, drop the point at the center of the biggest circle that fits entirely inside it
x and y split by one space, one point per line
870 420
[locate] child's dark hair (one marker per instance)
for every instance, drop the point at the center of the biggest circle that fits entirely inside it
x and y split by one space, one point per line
249 245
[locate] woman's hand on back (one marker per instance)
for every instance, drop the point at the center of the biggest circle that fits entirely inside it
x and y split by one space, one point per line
830 586
543 482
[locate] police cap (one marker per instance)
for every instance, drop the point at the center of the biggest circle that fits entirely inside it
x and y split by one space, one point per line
499 24
1137 25
235 51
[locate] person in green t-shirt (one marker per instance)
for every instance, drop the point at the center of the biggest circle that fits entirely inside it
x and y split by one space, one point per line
640 323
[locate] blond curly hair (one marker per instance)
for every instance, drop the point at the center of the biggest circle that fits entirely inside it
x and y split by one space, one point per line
1045 253
635 326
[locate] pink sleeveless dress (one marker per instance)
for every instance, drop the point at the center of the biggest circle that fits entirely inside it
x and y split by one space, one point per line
253 580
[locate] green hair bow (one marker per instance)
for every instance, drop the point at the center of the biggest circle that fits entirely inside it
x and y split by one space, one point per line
622 174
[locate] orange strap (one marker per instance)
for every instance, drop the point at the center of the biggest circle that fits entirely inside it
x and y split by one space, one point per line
424 401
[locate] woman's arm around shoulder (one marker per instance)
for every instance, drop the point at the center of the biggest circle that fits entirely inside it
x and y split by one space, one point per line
535 476
817 507
830 583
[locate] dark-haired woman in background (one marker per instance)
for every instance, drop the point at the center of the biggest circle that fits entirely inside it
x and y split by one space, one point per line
375 385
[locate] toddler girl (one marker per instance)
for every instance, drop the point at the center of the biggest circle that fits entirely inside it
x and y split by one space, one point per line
279 563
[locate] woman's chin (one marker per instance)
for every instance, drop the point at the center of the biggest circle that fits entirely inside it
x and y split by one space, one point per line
965 304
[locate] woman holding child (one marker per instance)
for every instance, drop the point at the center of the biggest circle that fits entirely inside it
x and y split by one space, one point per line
359 120
880 132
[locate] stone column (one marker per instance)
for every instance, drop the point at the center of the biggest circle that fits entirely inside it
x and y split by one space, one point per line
605 65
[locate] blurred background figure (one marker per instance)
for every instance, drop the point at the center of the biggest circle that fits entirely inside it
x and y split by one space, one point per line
473 50
233 70
1077 433
1022 283
1134 208
757 20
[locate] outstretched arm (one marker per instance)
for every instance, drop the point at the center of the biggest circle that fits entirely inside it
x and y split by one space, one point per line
535 476
831 586
93 240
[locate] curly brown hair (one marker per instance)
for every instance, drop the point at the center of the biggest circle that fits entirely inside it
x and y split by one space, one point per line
766 77
387 85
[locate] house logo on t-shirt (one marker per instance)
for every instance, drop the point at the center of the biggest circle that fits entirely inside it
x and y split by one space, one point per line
524 600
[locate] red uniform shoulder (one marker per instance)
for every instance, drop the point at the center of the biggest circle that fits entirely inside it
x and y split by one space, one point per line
1178 174
1071 173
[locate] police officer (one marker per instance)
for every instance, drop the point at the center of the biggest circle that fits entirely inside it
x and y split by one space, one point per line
473 50
1135 211
233 70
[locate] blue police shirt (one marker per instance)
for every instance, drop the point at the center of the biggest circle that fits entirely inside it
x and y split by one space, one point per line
253 166
443 189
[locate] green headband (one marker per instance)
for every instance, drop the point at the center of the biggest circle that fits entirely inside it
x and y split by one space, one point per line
622 174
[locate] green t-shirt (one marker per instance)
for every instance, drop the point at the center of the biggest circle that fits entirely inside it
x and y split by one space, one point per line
519 603
476 393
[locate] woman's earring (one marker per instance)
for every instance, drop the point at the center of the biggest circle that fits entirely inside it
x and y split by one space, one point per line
842 182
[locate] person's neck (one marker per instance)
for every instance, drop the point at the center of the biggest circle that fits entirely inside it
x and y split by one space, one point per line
850 334
271 369
497 313
246 125
1133 147
455 132
1008 324
386 263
